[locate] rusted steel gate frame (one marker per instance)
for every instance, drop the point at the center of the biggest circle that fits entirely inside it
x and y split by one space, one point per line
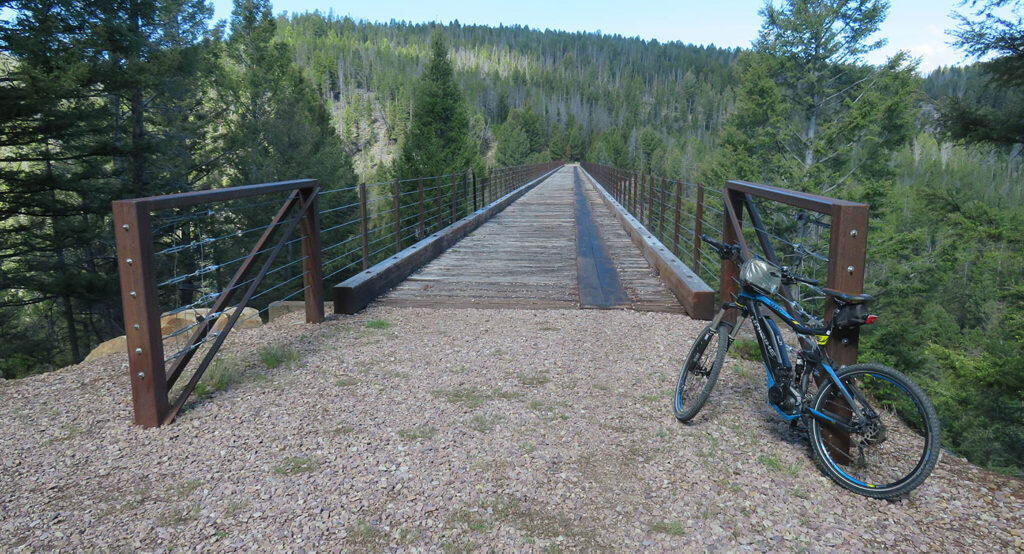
847 254
150 379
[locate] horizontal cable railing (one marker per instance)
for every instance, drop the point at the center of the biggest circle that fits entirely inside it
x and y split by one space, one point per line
190 272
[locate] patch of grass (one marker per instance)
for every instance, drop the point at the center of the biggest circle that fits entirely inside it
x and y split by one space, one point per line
535 379
223 373
295 465
405 535
506 395
467 397
800 492
499 352
773 463
364 534
601 387
186 488
532 519
343 429
674 528
747 350
652 398
379 324
176 516
417 433
233 508
347 381
471 519
547 411
459 547
276 355
528 447
616 427
483 423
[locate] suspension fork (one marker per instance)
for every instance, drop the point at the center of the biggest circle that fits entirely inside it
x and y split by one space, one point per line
744 314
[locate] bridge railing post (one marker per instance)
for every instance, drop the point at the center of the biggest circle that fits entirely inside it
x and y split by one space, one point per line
146 368
678 214
398 215
364 226
312 264
698 226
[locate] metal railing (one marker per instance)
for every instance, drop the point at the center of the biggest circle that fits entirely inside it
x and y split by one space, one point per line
827 236
193 253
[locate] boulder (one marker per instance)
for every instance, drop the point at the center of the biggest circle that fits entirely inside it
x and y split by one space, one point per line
117 345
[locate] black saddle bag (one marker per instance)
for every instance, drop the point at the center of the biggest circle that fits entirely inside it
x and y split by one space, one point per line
849 316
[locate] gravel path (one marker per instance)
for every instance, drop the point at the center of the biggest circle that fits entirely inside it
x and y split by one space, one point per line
456 430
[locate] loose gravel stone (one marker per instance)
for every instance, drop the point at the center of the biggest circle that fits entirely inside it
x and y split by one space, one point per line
456 430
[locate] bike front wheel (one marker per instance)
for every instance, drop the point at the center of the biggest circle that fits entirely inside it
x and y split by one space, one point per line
896 446
700 371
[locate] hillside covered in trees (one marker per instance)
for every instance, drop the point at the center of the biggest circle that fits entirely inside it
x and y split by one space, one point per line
97 109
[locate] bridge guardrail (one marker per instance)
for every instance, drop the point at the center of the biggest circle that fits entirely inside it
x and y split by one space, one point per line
172 248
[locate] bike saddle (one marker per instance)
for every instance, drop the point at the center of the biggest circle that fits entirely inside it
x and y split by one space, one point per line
849 298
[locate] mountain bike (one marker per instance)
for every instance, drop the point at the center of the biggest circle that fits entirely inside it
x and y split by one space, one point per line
872 430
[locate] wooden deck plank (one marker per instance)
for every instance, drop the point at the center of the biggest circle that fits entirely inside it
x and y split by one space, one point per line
526 258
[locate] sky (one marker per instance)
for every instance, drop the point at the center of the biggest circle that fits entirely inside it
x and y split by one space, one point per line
918 26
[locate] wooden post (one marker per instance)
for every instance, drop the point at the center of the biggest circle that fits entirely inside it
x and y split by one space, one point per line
313 270
398 216
363 225
141 312
698 226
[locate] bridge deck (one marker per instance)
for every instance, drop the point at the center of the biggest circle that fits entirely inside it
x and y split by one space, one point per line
537 254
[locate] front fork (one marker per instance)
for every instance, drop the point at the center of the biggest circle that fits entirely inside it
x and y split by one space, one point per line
744 314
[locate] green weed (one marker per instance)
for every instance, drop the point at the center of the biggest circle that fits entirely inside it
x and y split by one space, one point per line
276 355
295 465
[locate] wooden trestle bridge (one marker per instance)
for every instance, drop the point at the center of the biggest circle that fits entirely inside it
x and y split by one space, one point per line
550 236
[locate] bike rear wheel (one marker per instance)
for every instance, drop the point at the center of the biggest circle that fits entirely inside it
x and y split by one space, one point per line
896 449
700 372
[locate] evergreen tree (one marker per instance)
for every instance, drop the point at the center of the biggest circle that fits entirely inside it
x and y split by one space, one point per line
1002 123
437 142
809 113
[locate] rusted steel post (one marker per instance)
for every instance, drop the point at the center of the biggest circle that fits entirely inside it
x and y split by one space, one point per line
452 199
313 270
675 224
419 201
847 253
141 312
661 211
650 201
728 284
398 216
475 205
438 193
363 226
698 226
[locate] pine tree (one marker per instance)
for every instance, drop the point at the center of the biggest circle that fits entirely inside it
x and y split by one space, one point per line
437 142
810 113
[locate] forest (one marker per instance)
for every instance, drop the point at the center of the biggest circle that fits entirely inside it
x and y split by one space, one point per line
107 100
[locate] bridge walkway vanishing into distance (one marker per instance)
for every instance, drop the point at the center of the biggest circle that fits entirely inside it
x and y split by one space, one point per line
557 247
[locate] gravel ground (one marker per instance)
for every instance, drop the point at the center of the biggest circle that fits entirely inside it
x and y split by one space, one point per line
456 430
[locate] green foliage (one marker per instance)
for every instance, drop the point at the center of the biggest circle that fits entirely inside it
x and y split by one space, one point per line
274 356
437 142
977 118
811 117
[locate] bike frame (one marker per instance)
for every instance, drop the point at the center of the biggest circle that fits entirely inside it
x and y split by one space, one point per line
773 350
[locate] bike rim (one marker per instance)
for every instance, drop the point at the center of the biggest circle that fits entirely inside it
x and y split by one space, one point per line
888 452
696 376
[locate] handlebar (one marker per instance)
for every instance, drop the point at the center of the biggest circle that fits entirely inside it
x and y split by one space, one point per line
733 252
